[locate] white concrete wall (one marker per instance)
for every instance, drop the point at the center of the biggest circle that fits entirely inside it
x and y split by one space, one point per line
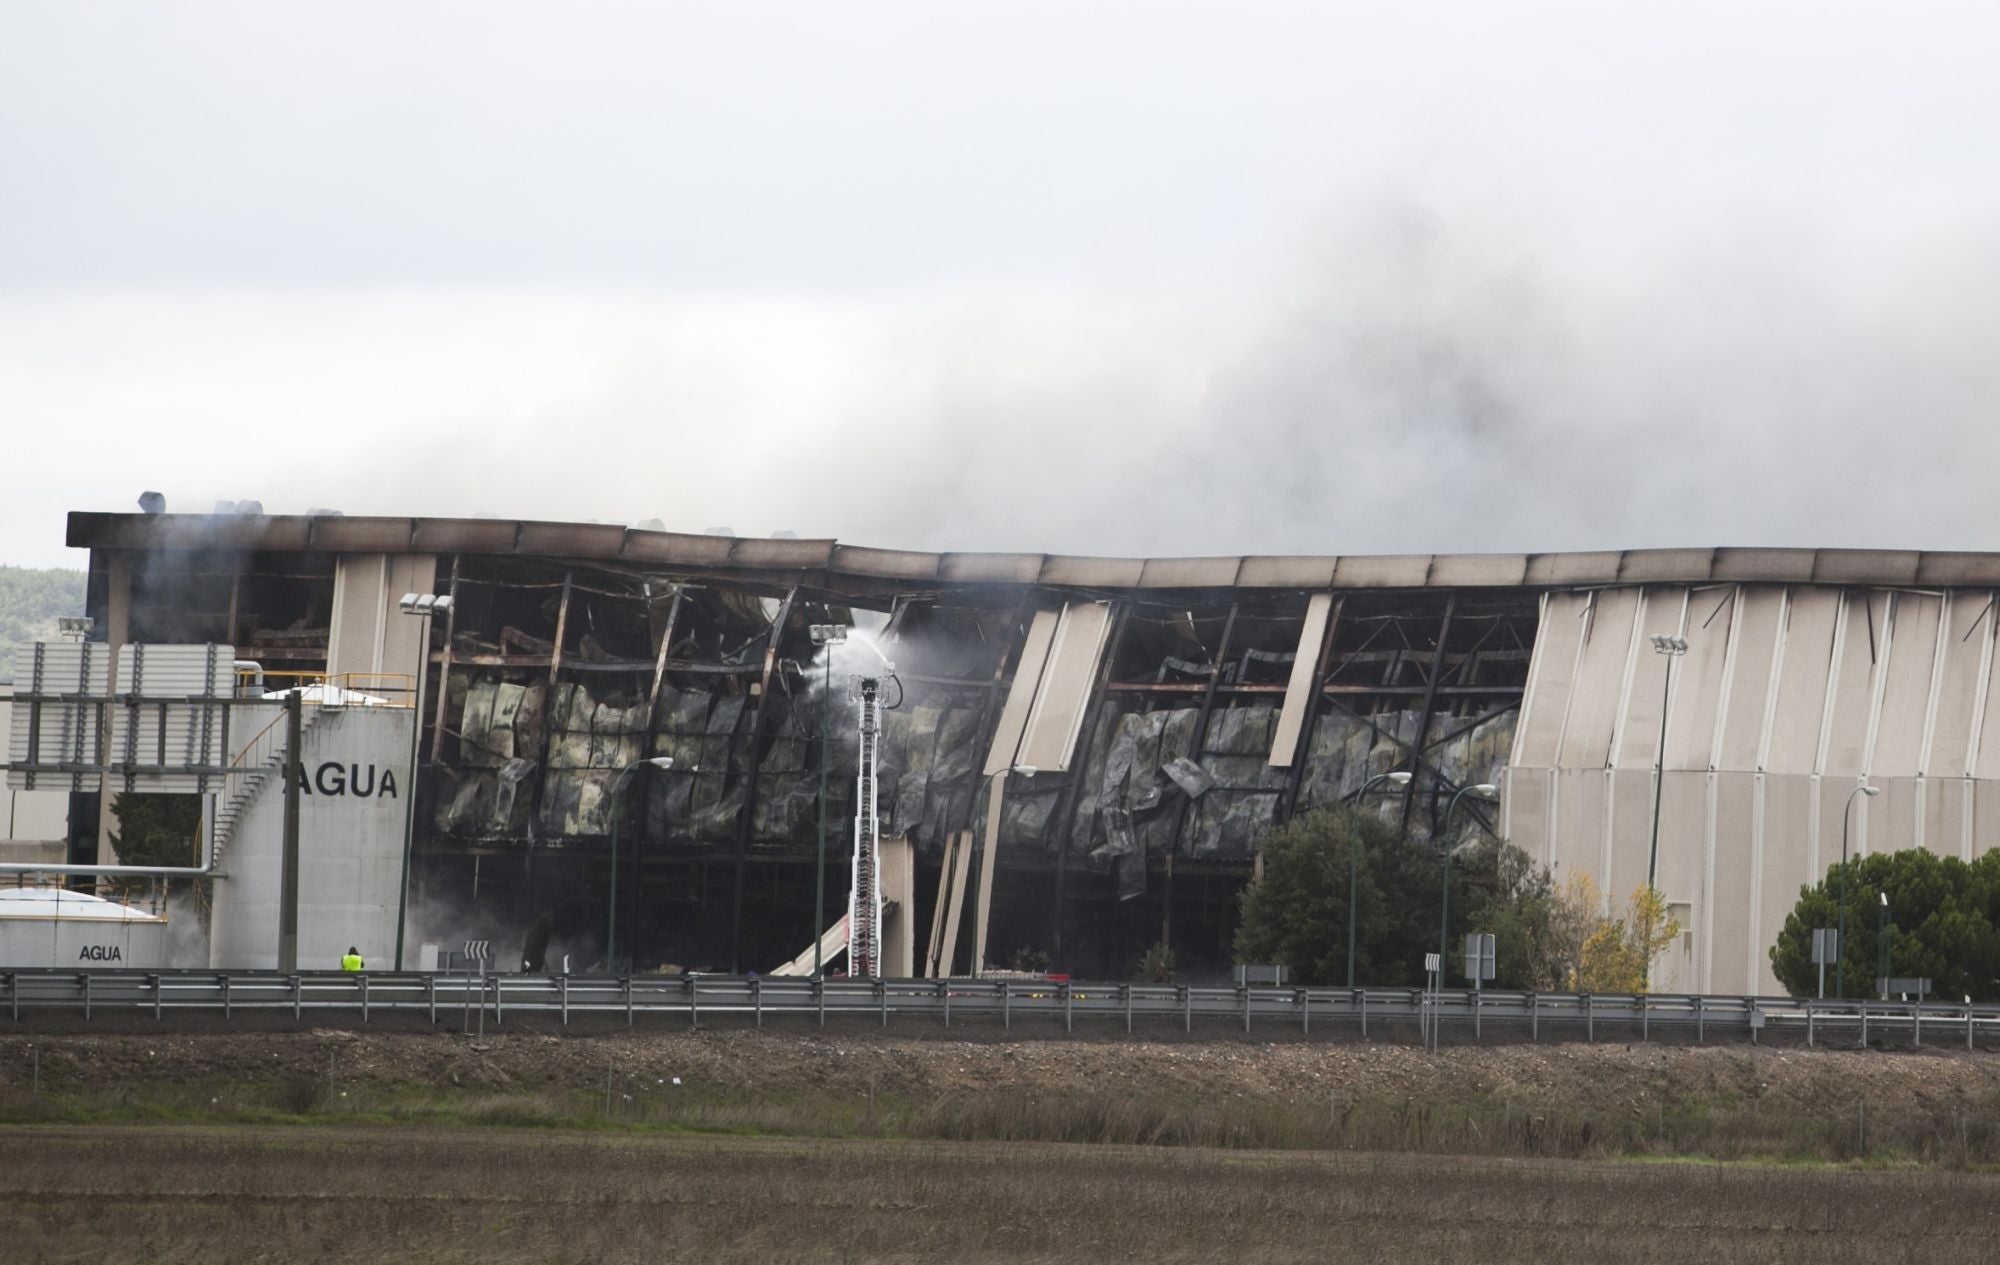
1788 697
350 848
370 632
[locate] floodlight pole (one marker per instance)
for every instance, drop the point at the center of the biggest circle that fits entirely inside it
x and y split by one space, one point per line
1840 947
1354 866
288 864
1673 648
617 800
819 864
413 605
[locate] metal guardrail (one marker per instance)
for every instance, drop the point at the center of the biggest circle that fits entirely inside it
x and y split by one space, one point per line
1388 1012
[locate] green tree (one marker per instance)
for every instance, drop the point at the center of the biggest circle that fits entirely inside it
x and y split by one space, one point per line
1157 965
1944 925
1297 912
1503 891
156 829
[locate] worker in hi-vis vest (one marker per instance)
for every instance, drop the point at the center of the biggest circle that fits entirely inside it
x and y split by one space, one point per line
351 961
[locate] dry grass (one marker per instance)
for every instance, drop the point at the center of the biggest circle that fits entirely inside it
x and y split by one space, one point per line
1950 1134
1549 1102
418 1197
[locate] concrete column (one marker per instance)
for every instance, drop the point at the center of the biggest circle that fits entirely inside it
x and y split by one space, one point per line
117 631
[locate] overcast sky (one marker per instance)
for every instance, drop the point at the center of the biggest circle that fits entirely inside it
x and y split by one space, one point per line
1145 278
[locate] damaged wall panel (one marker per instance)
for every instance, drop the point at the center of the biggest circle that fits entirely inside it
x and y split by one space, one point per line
499 726
699 799
1049 737
592 739
788 782
1034 657
1302 682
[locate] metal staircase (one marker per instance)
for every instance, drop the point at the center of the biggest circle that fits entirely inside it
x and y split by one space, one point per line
260 763
864 902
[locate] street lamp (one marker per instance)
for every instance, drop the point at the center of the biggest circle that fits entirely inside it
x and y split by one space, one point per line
617 799
1673 648
1399 778
1840 943
1485 790
825 636
423 606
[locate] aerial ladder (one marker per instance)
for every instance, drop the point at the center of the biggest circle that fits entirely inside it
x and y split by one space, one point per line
864 901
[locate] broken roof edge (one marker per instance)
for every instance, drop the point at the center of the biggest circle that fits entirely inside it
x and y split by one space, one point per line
611 542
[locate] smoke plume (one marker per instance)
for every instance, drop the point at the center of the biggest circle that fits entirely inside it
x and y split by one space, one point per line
1414 381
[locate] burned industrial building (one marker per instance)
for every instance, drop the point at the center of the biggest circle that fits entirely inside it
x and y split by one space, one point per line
1169 704
637 733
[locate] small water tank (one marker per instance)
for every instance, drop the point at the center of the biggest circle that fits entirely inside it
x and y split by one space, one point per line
46 926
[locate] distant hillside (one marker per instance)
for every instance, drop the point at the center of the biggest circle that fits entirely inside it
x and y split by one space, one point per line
30 602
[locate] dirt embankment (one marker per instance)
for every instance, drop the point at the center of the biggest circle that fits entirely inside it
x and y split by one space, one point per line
724 1065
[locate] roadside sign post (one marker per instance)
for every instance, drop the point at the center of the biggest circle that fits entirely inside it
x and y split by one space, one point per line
1429 1019
1479 967
475 951
1825 950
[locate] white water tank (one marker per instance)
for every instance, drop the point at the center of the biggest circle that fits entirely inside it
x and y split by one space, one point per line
49 927
351 815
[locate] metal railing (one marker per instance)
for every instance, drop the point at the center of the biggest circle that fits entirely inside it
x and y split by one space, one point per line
1390 1013
336 689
